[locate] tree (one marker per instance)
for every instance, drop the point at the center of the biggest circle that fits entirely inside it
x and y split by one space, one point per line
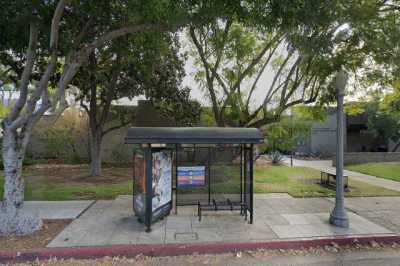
99 84
146 64
381 43
45 47
283 136
36 67
318 38
382 109
384 117
381 70
232 59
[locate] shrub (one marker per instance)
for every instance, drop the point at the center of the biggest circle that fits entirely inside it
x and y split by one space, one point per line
275 157
64 139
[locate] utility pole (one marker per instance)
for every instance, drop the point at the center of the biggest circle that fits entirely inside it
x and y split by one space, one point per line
338 215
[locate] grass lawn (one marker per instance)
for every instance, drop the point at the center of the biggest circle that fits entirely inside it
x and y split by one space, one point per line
55 182
384 170
304 182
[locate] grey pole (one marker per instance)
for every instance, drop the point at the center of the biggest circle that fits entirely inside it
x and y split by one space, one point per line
338 215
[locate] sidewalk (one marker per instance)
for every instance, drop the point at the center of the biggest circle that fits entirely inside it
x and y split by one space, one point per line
70 209
277 217
326 165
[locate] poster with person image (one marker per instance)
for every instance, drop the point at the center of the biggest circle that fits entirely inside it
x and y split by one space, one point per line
162 178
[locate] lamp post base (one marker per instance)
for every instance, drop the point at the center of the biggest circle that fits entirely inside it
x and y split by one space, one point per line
339 220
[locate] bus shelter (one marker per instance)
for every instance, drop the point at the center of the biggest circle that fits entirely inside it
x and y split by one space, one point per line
208 167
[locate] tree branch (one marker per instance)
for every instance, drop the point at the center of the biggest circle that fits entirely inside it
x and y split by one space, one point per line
267 97
288 78
257 59
219 53
109 94
118 33
253 87
123 124
29 115
210 85
30 59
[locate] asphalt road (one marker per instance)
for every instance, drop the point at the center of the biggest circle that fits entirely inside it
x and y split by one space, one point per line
362 258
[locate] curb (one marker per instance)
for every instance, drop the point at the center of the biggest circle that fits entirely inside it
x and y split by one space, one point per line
161 250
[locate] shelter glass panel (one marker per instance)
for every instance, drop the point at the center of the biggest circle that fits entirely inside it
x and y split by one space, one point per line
208 172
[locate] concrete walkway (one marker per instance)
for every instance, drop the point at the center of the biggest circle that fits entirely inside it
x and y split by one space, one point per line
56 209
277 216
324 165
384 211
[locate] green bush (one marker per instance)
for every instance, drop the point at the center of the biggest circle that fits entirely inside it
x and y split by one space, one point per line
64 140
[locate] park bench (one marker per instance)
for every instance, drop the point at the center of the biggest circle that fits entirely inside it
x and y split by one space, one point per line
330 175
228 205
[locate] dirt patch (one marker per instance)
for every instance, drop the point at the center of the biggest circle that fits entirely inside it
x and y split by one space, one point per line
76 174
249 257
84 196
38 239
262 161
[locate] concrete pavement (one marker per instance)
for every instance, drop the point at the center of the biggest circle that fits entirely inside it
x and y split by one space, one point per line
56 209
384 211
276 217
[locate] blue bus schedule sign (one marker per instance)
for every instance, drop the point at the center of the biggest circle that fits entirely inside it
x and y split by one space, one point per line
191 176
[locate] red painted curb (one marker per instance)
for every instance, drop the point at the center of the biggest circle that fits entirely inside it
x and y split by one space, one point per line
185 249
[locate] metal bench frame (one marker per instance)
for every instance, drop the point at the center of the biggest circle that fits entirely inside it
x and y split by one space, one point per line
222 206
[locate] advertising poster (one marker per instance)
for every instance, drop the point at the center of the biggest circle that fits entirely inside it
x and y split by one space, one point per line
139 187
191 176
162 178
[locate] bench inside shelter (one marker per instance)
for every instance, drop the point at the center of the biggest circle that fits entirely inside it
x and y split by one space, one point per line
227 205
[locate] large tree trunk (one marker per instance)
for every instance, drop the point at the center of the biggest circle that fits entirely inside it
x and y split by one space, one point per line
95 152
14 183
11 219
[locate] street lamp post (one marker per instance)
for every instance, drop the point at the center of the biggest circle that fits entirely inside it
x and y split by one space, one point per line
338 215
291 137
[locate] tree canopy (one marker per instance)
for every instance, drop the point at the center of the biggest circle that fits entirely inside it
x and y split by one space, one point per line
44 44
303 46
147 64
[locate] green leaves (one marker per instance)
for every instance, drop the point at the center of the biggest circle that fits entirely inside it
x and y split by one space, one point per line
284 135
383 114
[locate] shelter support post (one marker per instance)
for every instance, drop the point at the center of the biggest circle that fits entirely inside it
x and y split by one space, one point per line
251 183
209 175
245 181
241 173
149 187
133 181
176 178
